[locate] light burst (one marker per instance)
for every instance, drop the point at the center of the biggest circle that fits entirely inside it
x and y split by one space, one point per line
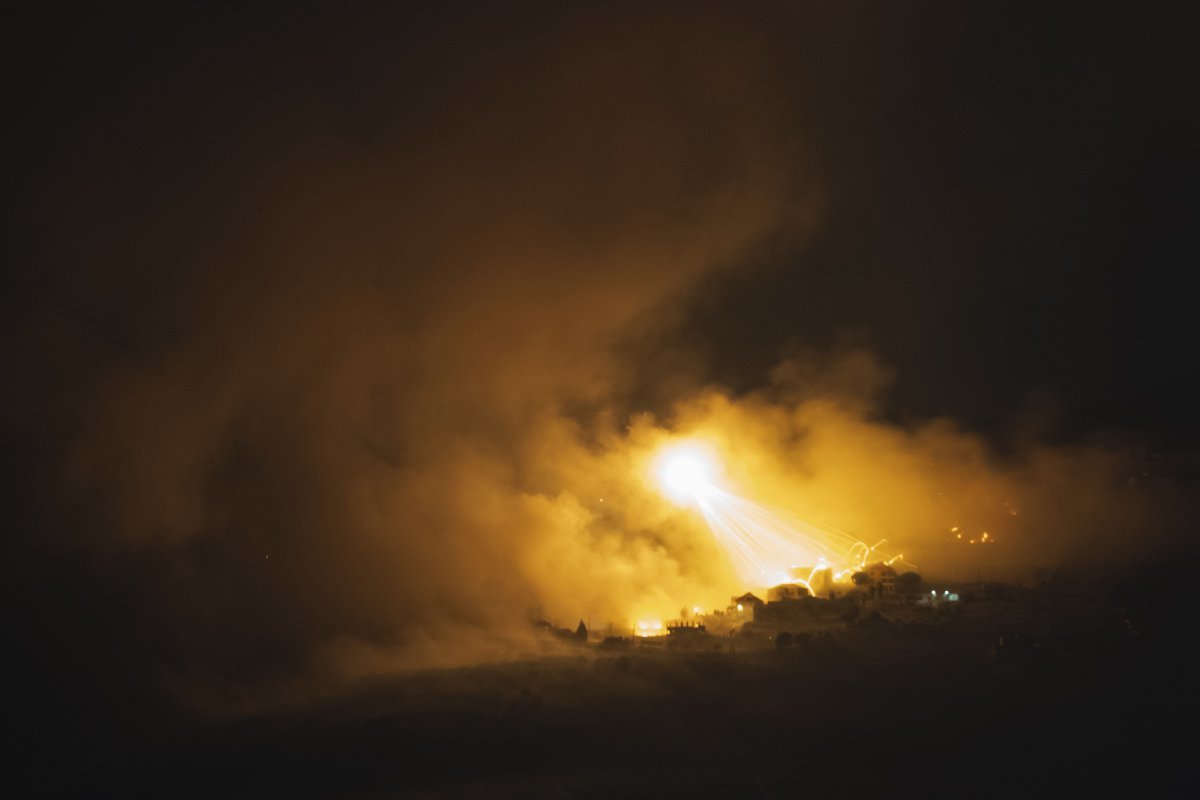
765 547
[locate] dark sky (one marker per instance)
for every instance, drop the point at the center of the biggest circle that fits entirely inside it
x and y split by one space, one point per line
1002 197
1007 217
326 284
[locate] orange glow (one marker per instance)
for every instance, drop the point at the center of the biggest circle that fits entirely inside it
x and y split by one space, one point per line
765 547
648 628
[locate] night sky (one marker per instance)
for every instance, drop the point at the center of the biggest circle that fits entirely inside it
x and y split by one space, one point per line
1000 199
1004 216
323 324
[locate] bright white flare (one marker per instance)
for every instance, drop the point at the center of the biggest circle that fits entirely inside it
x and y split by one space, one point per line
685 474
686 471
766 547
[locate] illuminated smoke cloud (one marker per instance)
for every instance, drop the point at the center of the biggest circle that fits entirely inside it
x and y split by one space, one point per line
334 376
765 547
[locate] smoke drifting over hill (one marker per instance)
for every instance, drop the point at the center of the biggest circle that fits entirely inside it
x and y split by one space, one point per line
332 359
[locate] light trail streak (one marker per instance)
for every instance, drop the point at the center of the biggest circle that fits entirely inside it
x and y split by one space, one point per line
765 547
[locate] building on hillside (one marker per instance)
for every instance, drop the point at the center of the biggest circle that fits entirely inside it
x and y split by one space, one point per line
787 591
689 635
743 608
881 575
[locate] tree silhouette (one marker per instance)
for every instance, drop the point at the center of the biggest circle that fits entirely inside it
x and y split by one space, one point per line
908 583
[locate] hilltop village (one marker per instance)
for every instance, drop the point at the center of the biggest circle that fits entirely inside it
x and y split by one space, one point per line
880 605
813 605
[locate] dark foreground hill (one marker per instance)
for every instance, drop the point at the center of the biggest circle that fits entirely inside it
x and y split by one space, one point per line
877 711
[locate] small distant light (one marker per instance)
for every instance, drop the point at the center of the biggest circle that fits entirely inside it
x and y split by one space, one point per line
740 607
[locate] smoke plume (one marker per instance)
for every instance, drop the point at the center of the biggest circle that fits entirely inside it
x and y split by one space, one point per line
327 370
